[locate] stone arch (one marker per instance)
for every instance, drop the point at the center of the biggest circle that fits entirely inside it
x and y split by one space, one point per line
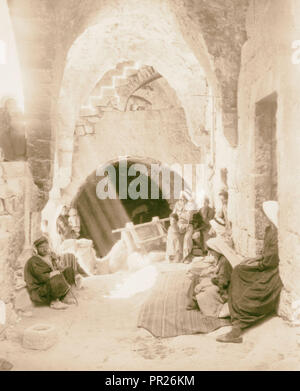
109 214
215 43
149 140
147 161
126 38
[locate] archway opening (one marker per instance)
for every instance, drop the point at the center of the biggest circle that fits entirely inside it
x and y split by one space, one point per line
99 217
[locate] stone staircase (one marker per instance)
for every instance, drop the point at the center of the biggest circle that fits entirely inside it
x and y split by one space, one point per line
114 89
105 92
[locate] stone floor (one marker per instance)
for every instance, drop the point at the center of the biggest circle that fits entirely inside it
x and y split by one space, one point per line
101 334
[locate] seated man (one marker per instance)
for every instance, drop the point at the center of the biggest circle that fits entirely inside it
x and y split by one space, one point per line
201 227
207 214
197 224
46 284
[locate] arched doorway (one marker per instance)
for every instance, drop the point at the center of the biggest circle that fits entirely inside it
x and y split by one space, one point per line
100 216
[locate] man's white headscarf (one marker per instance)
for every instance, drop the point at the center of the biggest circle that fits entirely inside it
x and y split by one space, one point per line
218 225
190 204
185 194
271 211
221 247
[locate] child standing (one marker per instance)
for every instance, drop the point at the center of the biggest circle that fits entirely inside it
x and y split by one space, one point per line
174 240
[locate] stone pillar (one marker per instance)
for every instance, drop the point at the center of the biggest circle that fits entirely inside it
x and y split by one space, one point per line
12 212
35 38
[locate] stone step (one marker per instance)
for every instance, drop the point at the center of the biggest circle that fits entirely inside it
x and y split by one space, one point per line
97 90
86 111
124 64
106 81
130 72
146 73
108 91
120 81
105 90
100 101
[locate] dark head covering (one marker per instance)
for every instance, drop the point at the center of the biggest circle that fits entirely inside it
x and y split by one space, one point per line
40 241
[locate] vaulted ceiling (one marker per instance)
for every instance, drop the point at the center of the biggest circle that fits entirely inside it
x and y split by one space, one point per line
46 30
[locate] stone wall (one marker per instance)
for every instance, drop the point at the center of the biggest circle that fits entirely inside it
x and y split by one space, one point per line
267 68
11 84
151 31
17 227
35 32
183 40
221 25
132 39
161 135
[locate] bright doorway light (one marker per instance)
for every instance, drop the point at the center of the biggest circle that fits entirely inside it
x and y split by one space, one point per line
3 53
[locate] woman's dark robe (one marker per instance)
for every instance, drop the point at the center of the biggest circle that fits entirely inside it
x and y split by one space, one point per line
254 289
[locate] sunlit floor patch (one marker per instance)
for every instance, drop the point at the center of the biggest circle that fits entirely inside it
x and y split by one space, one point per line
139 281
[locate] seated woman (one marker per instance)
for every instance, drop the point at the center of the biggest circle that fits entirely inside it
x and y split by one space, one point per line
255 283
46 284
210 292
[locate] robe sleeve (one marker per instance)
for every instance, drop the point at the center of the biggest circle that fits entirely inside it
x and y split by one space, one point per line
224 273
40 270
269 262
270 259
